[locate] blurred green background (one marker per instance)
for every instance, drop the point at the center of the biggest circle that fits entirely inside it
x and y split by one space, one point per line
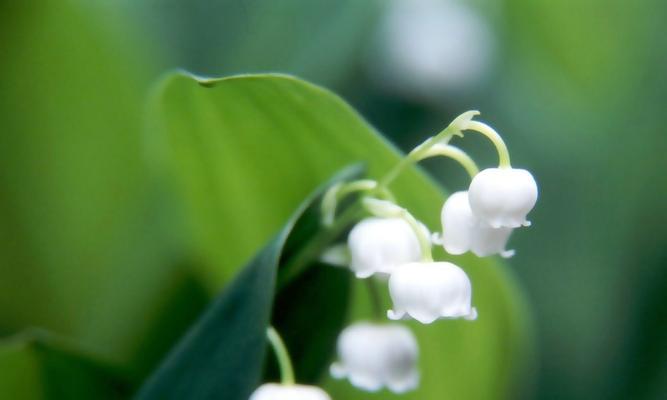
577 88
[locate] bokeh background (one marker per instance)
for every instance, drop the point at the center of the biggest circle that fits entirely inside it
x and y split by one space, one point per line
577 88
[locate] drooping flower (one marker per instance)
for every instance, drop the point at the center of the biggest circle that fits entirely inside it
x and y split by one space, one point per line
427 291
274 391
502 197
431 47
373 356
379 245
463 231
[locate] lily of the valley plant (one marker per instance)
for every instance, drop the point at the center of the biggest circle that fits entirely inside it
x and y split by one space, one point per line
391 243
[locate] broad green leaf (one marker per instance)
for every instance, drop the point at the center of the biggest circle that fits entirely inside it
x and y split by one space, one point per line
81 249
222 354
245 150
36 365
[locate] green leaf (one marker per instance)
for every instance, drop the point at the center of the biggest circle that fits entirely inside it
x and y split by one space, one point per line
37 365
243 151
223 352
81 249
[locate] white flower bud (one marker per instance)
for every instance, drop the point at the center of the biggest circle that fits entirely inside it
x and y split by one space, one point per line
373 356
427 291
463 232
379 245
274 391
502 197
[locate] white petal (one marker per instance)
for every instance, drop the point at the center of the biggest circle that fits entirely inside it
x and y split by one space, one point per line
377 355
406 384
337 255
378 245
488 241
337 370
273 391
458 224
428 291
508 253
365 382
396 315
463 231
502 197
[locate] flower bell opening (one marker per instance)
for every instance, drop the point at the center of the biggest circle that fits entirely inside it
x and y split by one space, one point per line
274 391
427 292
463 231
503 197
377 355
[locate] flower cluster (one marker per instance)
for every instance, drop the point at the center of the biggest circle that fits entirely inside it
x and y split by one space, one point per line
392 243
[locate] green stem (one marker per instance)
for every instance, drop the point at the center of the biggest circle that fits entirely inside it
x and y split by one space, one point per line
501 147
375 299
387 209
282 355
418 152
422 238
454 153
338 191
412 158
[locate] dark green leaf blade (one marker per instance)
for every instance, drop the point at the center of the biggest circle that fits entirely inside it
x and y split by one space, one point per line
223 353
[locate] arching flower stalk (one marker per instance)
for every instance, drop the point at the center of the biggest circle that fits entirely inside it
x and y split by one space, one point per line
503 196
287 389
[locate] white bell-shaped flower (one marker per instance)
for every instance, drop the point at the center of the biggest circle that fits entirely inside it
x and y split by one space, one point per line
502 197
274 391
379 245
427 291
463 231
373 356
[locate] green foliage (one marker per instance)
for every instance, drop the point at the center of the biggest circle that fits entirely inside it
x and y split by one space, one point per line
36 365
81 253
119 258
